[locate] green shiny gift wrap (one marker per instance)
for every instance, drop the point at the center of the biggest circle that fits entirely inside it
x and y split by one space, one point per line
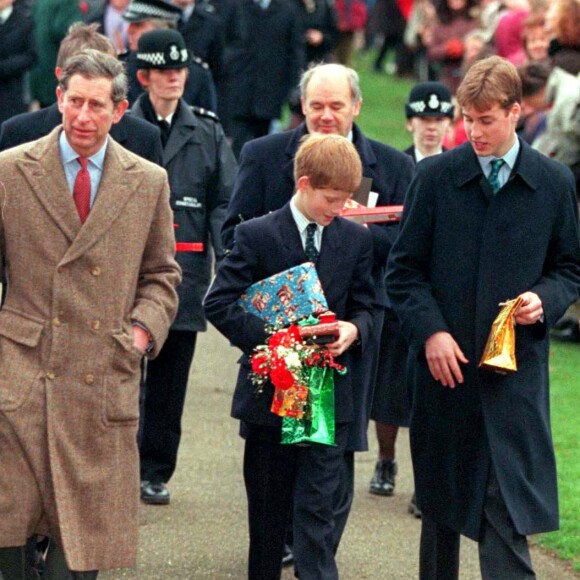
317 426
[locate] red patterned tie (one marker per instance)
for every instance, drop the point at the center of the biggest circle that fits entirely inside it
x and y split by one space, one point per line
82 190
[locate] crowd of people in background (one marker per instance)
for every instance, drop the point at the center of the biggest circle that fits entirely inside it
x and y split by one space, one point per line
247 54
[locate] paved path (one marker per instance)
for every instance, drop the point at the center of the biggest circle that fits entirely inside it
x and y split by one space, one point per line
203 533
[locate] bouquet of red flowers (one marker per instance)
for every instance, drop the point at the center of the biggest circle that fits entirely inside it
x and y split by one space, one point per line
302 374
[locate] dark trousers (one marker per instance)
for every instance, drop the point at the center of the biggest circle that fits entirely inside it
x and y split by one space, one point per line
280 478
342 502
165 388
343 496
15 565
503 552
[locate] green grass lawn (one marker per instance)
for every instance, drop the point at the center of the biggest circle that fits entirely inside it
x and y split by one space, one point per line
565 396
383 112
382 118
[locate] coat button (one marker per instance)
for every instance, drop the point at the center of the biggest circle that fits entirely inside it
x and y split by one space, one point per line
56 321
60 270
89 379
95 271
96 324
50 376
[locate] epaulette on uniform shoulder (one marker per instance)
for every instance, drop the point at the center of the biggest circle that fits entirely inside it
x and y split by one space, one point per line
208 8
205 113
200 62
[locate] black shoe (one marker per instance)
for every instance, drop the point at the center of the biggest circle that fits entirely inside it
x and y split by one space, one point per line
154 493
413 509
288 557
566 330
383 481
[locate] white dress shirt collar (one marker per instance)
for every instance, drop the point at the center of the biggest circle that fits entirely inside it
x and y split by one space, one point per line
302 223
5 14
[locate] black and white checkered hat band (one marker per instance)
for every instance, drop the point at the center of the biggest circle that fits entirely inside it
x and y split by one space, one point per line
149 11
153 58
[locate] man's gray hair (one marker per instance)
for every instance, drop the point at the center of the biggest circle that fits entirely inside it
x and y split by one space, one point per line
93 64
351 76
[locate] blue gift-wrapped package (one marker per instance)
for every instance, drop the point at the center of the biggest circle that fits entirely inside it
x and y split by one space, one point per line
286 297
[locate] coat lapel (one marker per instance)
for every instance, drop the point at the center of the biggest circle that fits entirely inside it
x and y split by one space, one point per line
466 168
525 167
366 154
326 264
294 251
119 182
43 169
181 133
291 148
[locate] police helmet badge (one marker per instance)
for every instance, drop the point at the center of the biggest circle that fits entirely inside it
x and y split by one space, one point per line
433 102
174 53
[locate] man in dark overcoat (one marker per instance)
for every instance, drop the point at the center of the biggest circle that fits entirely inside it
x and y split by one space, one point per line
202 170
203 33
17 55
263 68
484 223
229 14
331 100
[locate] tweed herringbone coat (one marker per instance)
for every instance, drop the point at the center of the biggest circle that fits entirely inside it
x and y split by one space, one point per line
69 373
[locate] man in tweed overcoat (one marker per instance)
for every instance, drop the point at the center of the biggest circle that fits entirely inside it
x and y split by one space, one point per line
85 302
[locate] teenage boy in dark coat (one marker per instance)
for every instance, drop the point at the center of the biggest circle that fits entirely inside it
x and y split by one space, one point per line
281 477
484 223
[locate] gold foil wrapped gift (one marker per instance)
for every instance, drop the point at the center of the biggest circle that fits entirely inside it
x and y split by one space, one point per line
499 354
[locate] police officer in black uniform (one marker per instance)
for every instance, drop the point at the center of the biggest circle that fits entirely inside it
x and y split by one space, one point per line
146 15
202 170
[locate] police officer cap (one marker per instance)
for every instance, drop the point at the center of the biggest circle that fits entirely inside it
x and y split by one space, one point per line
162 49
140 10
429 99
